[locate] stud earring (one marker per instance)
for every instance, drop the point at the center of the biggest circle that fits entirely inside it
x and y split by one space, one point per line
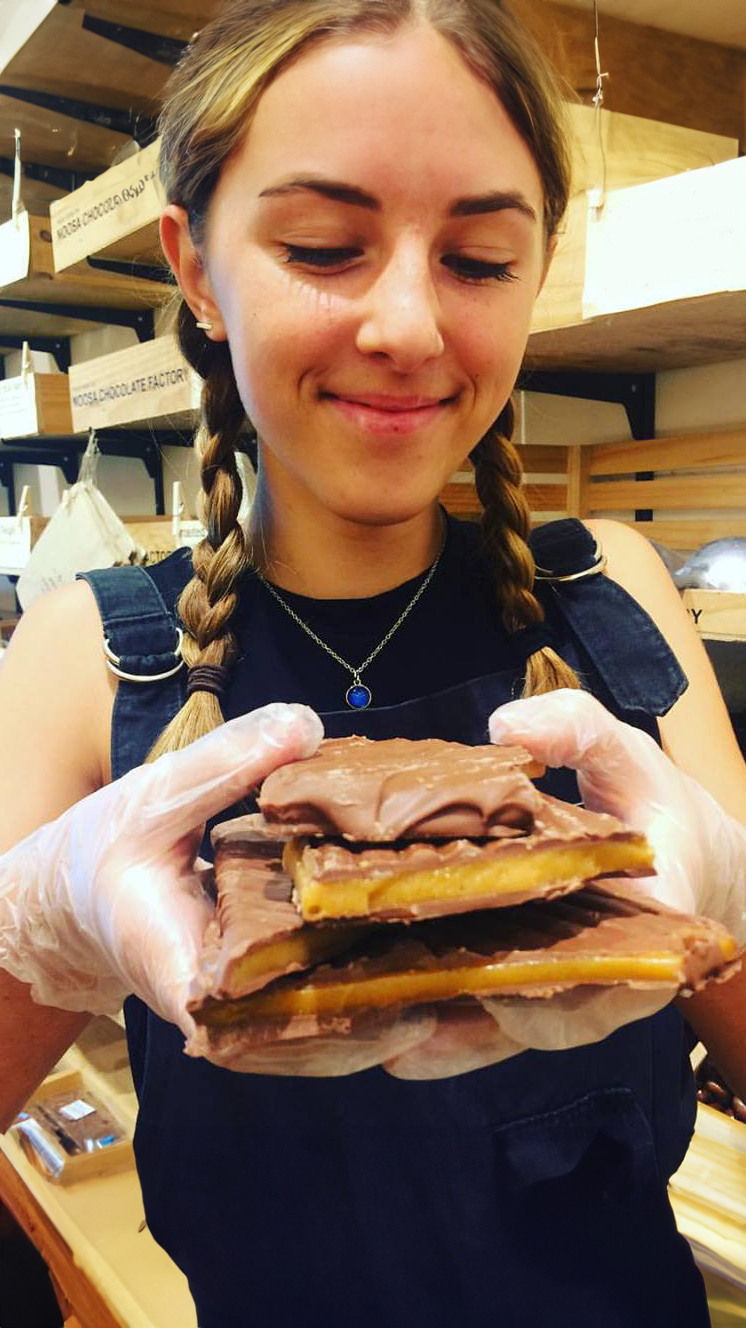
205 327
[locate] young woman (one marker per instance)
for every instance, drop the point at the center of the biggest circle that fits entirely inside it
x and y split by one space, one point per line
364 198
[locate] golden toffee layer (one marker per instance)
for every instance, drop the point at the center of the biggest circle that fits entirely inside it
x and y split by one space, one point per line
604 934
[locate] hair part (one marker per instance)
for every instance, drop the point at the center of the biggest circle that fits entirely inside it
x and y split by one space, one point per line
210 102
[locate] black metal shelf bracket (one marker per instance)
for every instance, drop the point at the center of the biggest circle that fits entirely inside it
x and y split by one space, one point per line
142 446
52 175
59 347
635 391
133 124
164 50
142 320
65 458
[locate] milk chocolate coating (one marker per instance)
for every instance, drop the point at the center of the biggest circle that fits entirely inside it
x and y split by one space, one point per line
254 910
603 919
556 825
394 789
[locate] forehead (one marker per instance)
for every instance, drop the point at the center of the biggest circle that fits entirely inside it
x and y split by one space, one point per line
404 115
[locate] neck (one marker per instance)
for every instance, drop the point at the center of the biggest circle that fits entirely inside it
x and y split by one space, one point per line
331 557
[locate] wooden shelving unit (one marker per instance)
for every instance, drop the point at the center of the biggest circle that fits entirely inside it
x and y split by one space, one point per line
173 18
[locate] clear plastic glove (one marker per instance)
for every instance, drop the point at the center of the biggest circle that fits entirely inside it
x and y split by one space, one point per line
700 855
106 900
700 851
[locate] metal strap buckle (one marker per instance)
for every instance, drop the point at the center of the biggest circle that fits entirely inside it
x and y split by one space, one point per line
599 565
112 663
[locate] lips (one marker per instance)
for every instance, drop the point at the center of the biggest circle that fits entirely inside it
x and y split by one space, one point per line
390 404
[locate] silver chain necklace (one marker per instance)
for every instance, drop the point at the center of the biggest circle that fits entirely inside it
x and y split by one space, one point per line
357 696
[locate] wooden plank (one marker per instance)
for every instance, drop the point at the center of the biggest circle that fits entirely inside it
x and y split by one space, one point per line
579 459
88 1304
682 453
543 459
681 80
677 493
689 534
547 497
717 614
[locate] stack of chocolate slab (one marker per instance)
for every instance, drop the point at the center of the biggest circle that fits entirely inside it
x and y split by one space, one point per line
385 875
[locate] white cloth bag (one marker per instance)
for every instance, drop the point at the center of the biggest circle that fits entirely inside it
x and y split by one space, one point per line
84 533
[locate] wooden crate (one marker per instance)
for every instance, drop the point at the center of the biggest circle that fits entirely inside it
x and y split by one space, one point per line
35 404
115 215
151 381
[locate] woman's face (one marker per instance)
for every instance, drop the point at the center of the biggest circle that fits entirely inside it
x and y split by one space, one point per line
374 250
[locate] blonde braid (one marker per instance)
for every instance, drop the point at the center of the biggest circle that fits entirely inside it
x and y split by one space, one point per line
506 523
208 601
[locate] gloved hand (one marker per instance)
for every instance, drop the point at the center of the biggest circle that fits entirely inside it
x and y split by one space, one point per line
700 856
700 851
106 900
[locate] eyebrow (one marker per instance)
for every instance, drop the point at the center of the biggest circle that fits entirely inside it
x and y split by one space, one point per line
499 200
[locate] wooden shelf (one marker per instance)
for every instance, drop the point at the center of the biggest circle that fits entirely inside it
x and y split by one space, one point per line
657 281
64 58
35 405
57 140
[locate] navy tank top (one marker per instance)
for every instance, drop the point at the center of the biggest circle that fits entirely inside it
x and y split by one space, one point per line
528 1193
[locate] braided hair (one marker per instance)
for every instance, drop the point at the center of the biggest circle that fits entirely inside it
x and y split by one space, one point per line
209 599
506 522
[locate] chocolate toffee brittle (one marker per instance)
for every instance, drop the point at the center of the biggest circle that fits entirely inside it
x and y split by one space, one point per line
605 934
399 789
257 933
566 846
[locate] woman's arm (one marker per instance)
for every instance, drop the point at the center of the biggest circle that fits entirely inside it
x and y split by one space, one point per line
55 717
698 736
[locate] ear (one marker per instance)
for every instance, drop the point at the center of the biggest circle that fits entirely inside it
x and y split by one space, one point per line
187 266
551 250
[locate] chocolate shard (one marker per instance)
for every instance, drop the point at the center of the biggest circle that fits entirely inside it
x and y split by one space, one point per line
257 933
606 934
428 878
396 789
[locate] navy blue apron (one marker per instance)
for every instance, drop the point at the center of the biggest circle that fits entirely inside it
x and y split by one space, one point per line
524 1194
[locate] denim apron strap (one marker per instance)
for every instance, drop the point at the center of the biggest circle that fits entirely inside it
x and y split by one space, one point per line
636 663
142 646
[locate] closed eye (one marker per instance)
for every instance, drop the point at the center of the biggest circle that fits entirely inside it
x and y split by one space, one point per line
475 269
321 258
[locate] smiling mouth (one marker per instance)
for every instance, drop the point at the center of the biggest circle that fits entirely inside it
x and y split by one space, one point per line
391 405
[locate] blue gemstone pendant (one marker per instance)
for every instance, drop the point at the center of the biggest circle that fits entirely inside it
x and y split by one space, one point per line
358 697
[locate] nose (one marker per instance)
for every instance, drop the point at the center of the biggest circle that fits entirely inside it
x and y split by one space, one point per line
401 317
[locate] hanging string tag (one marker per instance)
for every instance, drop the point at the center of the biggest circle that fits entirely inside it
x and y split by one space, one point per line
24 506
18 206
177 510
89 462
597 197
26 364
